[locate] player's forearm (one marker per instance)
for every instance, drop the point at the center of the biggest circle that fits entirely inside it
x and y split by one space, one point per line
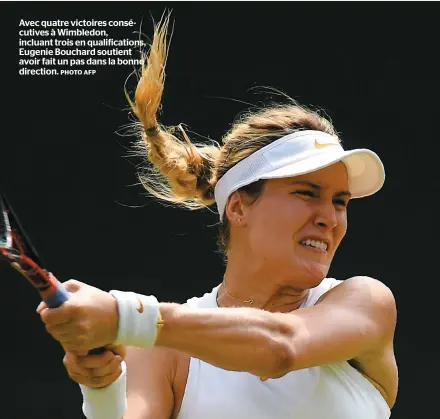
238 339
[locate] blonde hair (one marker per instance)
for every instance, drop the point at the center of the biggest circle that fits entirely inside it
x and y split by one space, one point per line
184 173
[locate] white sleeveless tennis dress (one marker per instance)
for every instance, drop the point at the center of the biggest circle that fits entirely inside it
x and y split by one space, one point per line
335 391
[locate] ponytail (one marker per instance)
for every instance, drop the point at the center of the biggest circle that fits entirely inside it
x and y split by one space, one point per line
179 171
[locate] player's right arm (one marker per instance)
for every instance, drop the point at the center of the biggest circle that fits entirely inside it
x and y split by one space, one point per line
150 375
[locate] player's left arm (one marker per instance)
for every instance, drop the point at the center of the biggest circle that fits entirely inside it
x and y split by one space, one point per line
354 319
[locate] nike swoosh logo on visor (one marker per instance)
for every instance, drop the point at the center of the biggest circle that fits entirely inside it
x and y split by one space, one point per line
318 145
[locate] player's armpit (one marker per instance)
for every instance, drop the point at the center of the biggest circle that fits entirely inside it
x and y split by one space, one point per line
149 383
355 318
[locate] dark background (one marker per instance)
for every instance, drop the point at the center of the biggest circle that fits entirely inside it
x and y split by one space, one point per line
371 66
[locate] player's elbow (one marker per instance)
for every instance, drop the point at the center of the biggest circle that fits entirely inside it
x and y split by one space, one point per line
281 352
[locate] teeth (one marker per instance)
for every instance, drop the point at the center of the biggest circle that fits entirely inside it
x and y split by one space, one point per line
315 243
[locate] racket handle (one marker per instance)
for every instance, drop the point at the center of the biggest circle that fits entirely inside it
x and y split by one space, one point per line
58 297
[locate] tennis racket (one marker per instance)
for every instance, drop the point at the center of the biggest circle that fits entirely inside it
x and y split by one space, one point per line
17 250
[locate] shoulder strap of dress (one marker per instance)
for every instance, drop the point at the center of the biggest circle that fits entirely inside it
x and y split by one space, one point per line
208 300
315 293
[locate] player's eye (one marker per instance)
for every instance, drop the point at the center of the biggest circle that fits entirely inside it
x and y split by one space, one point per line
305 193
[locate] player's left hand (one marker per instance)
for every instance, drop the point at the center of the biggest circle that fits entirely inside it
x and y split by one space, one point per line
88 320
95 371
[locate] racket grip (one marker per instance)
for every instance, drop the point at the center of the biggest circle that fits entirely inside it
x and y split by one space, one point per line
58 297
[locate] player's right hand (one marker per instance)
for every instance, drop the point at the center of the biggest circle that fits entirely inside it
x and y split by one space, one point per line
95 371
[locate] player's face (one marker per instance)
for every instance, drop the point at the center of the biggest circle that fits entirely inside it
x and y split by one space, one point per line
297 223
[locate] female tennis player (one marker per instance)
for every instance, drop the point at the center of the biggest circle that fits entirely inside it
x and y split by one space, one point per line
277 338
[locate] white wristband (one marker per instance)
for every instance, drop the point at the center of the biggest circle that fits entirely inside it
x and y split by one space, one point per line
108 402
139 318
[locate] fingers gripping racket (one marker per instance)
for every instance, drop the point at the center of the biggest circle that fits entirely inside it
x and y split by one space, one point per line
17 250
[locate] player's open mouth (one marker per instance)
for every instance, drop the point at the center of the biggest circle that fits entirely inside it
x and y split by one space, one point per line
317 244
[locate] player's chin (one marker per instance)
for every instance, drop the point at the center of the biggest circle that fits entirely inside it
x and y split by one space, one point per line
313 272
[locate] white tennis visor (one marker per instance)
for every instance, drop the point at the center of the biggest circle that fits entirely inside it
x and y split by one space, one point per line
300 153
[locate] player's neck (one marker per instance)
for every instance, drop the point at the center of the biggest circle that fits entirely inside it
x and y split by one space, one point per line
244 287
